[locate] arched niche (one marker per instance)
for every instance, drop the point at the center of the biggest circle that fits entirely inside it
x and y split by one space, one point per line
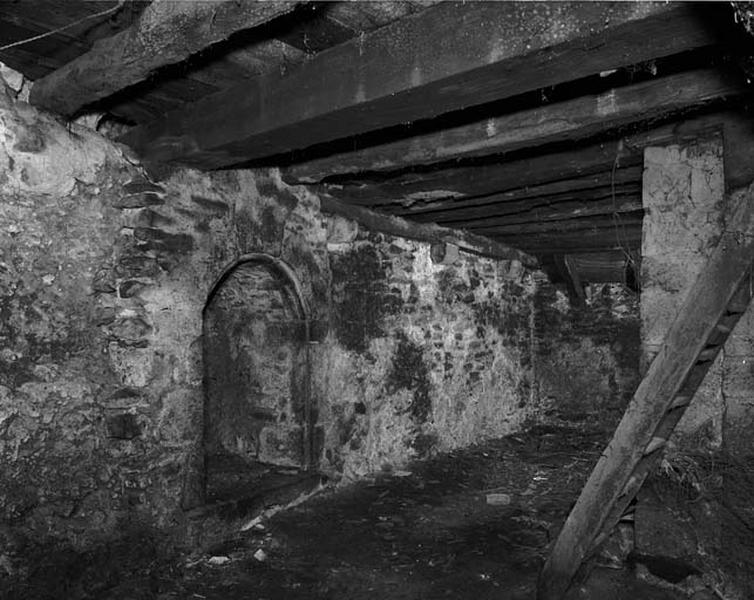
256 372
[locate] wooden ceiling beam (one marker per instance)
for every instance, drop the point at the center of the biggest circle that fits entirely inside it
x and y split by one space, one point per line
557 189
566 224
482 180
466 241
621 202
166 33
619 238
495 206
618 157
443 59
562 122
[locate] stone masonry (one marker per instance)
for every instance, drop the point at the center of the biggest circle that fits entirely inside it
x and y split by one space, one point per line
104 278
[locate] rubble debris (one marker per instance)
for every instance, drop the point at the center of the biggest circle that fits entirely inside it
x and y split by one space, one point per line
498 499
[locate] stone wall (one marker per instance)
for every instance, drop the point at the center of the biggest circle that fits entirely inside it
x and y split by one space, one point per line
686 201
410 348
587 358
684 195
105 277
66 456
422 355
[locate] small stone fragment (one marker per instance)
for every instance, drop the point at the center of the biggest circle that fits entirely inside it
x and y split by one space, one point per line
6 564
103 280
219 560
130 288
498 499
252 524
131 331
141 200
104 315
12 78
260 555
142 186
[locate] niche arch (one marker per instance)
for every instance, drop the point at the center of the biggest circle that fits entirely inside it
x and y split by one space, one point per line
256 332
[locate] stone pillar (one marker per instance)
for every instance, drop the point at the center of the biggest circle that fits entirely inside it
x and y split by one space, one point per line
686 211
683 192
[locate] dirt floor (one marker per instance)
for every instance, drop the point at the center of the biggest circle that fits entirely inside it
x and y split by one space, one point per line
425 533
428 532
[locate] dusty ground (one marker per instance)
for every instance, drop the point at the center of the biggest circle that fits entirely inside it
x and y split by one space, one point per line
425 534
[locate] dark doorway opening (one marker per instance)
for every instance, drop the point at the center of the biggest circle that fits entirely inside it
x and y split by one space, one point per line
257 418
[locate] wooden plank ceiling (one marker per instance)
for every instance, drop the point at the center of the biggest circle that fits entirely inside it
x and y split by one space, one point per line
522 122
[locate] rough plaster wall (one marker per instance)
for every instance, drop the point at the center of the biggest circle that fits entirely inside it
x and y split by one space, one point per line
421 356
587 358
684 200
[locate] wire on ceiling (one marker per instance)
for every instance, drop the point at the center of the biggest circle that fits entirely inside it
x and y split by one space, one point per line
103 13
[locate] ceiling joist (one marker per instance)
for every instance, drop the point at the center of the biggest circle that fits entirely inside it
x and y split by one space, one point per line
443 59
166 33
632 217
438 116
470 181
626 238
562 122
427 232
531 211
529 194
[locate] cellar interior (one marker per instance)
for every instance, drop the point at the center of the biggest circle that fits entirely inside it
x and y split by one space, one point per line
408 299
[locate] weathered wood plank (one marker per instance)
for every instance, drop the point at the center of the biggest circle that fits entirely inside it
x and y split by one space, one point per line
565 264
618 179
466 241
609 266
610 482
554 217
622 238
556 227
160 97
371 14
255 55
599 201
317 32
482 180
566 121
422 189
443 59
166 33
